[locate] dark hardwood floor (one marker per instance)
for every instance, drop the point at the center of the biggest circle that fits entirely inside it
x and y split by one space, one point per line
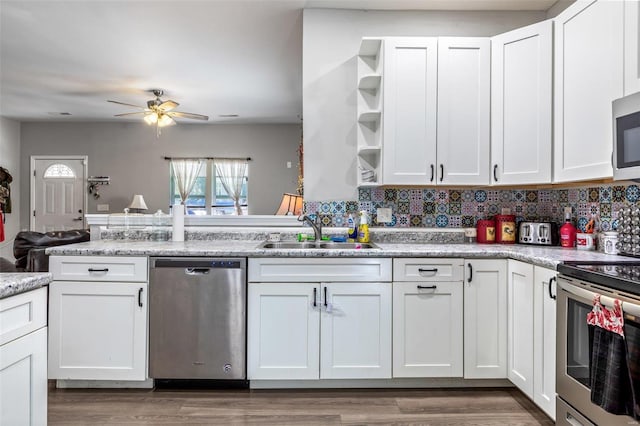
294 407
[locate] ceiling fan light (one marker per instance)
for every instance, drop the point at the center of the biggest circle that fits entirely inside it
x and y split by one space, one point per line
165 120
151 118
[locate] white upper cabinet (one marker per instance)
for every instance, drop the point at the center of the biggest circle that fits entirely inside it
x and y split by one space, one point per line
631 47
463 110
410 102
588 75
521 105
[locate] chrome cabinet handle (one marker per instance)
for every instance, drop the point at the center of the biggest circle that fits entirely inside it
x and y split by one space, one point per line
427 287
470 272
551 280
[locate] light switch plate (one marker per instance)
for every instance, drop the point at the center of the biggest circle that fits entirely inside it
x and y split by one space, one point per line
384 215
102 207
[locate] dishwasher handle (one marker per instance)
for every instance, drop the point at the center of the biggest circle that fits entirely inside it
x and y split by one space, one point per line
196 271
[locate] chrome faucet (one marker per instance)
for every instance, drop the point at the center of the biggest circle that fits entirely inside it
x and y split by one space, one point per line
315 224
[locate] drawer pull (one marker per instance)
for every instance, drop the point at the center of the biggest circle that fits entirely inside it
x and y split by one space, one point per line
433 271
551 280
315 297
98 270
470 278
140 297
427 287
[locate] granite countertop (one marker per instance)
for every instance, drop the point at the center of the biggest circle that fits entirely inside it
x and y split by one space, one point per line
12 283
548 257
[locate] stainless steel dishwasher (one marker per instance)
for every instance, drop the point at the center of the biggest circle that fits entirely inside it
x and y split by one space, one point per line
197 318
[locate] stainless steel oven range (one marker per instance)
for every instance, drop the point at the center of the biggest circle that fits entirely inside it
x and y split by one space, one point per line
578 284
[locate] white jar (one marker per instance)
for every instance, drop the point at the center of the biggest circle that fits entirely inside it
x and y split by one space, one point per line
609 242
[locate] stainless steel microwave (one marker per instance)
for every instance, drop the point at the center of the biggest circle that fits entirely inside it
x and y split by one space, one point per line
626 138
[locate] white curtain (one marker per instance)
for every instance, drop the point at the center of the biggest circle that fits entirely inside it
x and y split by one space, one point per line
232 175
185 173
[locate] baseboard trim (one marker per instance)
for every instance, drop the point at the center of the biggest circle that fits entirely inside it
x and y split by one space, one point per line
104 384
380 383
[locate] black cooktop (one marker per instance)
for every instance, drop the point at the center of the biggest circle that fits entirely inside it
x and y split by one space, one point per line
621 276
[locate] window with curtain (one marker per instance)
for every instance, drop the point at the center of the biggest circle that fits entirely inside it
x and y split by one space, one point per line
209 195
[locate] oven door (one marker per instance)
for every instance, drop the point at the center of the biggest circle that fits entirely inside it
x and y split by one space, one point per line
575 301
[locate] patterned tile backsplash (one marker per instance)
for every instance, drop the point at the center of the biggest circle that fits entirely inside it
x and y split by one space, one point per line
461 208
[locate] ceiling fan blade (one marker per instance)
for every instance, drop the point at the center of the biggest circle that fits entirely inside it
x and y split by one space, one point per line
188 115
168 105
122 103
130 113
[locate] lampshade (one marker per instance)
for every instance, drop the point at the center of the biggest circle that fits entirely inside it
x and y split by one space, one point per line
138 203
290 204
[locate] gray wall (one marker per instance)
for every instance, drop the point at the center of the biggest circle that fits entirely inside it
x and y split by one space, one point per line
10 160
132 156
331 39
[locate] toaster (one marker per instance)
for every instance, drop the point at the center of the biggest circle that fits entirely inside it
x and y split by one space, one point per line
539 233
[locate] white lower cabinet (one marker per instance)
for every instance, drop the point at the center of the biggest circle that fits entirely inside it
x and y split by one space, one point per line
520 321
319 331
485 319
427 329
544 339
98 331
23 359
532 333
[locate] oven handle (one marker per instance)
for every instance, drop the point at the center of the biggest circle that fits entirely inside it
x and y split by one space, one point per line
627 307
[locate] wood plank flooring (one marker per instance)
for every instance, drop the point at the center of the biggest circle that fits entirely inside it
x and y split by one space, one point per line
504 406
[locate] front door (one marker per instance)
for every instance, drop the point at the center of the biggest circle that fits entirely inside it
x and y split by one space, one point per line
57 193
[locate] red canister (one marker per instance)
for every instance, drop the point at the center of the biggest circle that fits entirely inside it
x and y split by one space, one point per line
505 228
486 231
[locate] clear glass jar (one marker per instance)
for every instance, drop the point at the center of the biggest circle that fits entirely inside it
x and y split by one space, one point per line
159 230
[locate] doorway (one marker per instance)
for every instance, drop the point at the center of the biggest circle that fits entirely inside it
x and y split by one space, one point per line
58 197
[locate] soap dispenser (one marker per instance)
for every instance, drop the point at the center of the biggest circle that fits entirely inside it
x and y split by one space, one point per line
363 228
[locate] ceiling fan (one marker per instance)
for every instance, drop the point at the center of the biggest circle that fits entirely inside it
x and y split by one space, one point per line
159 112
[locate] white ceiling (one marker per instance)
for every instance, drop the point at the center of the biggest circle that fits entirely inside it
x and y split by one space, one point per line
214 57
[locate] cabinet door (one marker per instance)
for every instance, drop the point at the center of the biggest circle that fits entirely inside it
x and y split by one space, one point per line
283 339
631 47
427 329
485 319
463 110
23 380
521 105
520 324
355 331
410 102
588 75
97 331
544 340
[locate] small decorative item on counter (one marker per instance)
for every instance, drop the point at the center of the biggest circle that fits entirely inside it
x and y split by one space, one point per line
486 231
610 242
568 231
585 241
159 226
363 228
505 228
470 235
305 237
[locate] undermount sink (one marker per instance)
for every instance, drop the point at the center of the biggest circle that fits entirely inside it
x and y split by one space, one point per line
317 245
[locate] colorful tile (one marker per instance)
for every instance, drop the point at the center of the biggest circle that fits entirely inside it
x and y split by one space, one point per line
618 194
632 193
605 195
352 206
377 194
455 196
415 221
594 195
415 207
403 207
429 195
364 194
468 196
480 196
415 195
532 196
428 208
442 196
455 209
442 221
390 194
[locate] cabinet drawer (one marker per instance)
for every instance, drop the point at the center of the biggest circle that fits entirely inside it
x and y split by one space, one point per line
319 270
23 313
428 269
98 268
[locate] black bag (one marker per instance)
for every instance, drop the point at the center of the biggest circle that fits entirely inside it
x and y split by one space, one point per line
25 241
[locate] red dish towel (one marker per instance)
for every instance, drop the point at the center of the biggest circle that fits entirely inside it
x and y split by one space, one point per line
608 370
